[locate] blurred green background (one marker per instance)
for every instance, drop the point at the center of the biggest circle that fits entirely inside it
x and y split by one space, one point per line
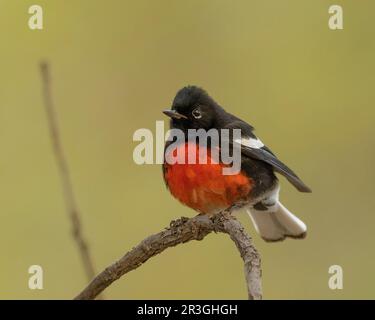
116 64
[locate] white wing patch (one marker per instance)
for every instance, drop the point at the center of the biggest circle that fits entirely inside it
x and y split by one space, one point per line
250 142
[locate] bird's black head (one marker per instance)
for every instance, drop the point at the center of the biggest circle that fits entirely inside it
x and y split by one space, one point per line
193 108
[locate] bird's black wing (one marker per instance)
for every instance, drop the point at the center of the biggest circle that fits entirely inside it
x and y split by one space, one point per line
264 155
252 147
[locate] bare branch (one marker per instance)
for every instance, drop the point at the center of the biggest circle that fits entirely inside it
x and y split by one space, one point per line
181 231
70 201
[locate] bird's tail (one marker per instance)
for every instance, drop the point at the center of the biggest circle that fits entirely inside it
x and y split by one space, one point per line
277 224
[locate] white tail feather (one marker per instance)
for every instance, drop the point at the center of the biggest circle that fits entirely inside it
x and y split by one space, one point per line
276 224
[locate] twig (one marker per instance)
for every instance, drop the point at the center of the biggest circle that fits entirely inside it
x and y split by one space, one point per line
70 201
181 231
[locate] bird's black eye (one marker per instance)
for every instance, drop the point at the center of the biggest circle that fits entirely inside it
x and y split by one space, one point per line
196 113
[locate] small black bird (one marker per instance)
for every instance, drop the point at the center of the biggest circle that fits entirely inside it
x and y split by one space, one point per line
204 188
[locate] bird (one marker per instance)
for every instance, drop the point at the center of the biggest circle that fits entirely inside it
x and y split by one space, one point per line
204 188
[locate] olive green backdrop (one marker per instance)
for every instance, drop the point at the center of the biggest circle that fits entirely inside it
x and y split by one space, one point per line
308 90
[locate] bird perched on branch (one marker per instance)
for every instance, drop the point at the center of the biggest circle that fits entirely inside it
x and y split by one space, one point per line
203 186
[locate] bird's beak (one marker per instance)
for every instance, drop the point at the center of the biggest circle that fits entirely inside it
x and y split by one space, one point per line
174 114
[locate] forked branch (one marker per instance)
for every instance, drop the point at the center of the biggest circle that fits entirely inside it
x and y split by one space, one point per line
181 231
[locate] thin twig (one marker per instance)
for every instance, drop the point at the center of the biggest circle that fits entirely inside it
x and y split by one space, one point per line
181 231
70 200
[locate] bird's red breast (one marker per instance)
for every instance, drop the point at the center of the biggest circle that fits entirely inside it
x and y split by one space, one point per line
202 186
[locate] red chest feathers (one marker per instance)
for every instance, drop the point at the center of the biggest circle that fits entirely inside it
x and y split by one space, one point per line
203 187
